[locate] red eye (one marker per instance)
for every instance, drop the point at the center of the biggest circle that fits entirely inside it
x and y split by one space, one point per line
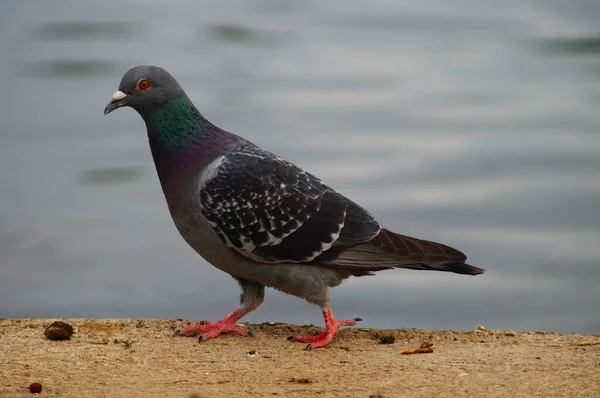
143 84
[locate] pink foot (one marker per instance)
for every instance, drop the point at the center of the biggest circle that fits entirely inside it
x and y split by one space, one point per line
321 339
209 330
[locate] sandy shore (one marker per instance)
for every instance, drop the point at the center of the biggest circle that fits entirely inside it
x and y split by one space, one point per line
138 357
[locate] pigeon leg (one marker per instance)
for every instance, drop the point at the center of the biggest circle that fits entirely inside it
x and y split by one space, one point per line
210 330
251 298
332 326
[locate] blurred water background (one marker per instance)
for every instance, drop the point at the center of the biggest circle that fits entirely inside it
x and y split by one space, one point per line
474 123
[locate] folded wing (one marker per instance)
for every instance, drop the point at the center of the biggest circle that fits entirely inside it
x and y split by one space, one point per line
274 212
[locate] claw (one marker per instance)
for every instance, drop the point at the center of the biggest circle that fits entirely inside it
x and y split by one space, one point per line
206 330
320 339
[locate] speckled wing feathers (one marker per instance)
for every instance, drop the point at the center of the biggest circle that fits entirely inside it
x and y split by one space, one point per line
272 211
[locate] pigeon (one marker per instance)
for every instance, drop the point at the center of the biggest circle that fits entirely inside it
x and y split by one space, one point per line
259 217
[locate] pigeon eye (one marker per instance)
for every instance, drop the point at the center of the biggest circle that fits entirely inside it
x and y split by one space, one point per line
143 84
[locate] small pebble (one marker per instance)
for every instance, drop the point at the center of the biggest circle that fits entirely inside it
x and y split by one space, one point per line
59 331
388 339
34 388
300 380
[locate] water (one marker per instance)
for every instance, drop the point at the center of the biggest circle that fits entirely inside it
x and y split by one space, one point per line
475 124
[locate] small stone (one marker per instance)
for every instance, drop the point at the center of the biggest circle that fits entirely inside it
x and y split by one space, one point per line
388 339
510 333
34 388
480 328
300 380
59 331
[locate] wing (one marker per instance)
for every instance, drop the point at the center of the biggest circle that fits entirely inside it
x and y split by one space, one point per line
272 211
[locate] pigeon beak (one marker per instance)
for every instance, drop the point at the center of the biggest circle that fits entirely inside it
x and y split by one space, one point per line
117 101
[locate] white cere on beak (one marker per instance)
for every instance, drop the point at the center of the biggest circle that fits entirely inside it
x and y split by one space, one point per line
118 95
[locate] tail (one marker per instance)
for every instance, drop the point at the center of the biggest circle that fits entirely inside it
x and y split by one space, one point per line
457 268
391 250
430 256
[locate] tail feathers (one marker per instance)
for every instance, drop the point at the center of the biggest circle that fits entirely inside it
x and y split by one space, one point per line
391 250
457 268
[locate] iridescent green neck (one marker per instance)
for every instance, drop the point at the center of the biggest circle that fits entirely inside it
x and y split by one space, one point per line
176 125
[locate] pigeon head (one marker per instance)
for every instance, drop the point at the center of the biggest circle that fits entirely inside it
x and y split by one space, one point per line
173 123
145 89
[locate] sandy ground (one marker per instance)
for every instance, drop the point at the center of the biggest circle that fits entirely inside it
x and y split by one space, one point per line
138 357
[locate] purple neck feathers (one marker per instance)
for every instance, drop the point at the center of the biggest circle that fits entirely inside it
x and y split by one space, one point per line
182 141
